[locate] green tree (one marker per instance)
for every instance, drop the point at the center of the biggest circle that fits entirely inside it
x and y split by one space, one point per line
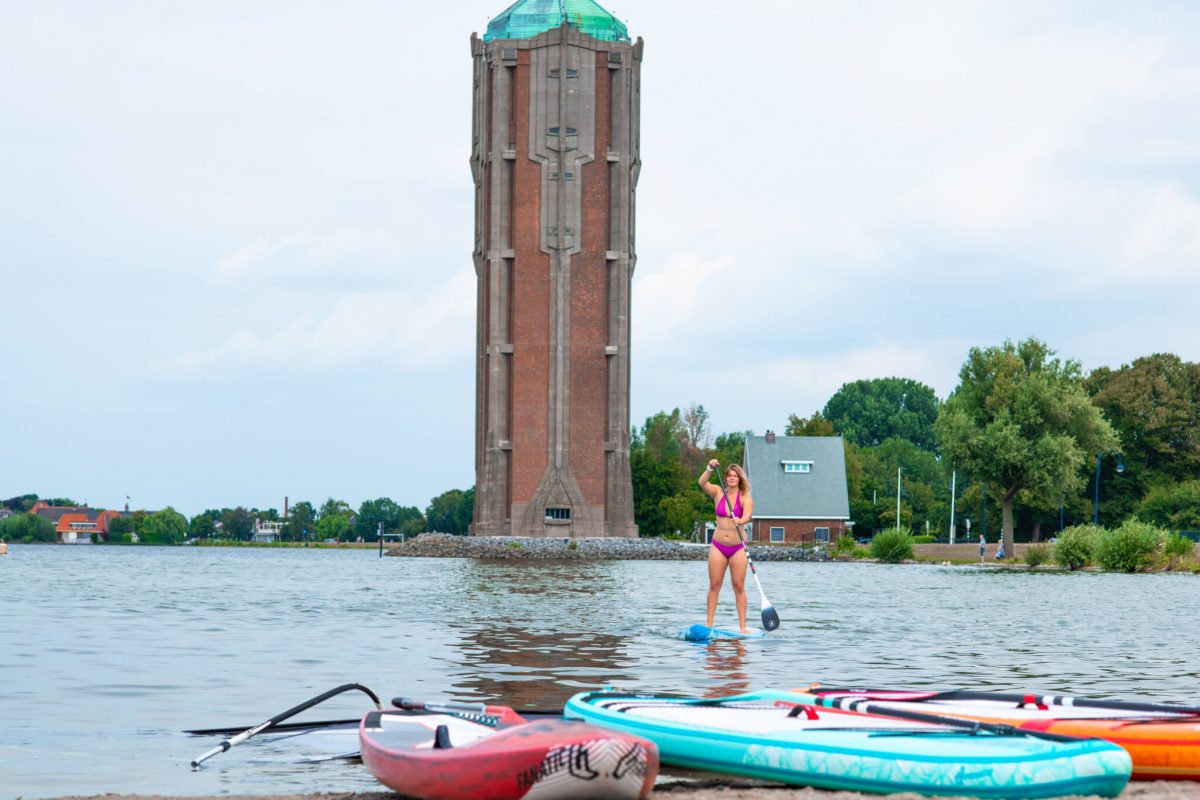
335 507
1175 507
164 527
333 526
120 528
22 502
730 448
816 425
869 412
27 528
301 521
1022 420
202 527
450 512
374 513
60 501
1154 405
236 523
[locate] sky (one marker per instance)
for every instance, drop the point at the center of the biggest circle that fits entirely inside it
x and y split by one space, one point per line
235 238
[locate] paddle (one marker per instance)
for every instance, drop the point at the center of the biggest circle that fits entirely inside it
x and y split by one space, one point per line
883 710
770 619
1002 697
291 712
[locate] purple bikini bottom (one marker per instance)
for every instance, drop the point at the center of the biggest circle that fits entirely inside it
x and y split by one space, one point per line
727 550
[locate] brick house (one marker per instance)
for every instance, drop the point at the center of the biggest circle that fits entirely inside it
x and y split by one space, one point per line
799 488
76 524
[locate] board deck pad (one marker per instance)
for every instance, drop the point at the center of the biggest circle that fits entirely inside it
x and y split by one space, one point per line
703 633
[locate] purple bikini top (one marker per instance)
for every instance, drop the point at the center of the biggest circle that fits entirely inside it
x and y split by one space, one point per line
722 506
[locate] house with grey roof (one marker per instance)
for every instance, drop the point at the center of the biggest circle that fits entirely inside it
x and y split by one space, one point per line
799 488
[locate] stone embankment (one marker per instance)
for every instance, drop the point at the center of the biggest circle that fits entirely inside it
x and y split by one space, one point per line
444 545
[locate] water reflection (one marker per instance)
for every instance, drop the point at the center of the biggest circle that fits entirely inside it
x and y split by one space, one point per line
725 661
526 668
511 651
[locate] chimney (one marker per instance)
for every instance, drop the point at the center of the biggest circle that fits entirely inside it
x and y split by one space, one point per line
770 437
285 507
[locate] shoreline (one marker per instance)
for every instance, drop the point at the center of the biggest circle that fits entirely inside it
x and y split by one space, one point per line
704 789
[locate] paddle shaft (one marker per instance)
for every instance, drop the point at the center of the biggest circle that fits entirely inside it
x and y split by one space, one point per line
883 710
291 712
1022 699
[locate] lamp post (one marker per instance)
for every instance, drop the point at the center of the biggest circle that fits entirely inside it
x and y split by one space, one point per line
1096 502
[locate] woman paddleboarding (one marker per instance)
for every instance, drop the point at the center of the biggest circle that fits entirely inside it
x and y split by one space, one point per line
733 507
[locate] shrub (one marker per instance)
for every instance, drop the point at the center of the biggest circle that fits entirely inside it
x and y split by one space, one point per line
845 547
1131 547
892 546
1177 546
1038 554
1076 546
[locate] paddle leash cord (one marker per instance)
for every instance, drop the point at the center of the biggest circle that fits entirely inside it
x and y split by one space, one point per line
225 744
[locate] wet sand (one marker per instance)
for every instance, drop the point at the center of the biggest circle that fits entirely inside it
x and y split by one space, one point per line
703 790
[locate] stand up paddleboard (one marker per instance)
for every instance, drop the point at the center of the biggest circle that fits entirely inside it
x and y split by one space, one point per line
703 633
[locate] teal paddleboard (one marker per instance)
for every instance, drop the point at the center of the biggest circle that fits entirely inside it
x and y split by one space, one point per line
703 633
770 736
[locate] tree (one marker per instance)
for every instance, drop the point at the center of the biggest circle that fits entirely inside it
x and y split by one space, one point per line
1154 405
450 512
869 412
27 528
22 502
1020 419
120 528
333 526
237 524
375 513
301 521
201 527
335 507
816 425
1175 507
164 527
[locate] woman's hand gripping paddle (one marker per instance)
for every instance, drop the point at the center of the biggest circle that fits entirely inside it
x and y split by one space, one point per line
770 618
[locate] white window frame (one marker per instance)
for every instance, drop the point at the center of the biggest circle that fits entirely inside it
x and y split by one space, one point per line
817 534
782 533
797 467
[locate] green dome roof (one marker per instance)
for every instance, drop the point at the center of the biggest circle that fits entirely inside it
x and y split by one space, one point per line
525 19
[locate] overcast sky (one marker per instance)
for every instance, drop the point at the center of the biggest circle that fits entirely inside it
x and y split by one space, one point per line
235 238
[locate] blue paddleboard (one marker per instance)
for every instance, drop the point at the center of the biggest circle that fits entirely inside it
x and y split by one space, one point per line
703 633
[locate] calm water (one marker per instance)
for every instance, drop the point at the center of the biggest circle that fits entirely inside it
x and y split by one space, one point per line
107 654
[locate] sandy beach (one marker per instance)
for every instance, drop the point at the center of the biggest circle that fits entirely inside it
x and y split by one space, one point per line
701 790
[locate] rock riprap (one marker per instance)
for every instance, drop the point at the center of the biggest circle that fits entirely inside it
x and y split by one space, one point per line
445 545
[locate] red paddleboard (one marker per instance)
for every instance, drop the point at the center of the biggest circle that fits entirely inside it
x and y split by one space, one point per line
500 756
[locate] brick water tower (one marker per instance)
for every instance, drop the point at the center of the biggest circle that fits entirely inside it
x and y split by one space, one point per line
554 156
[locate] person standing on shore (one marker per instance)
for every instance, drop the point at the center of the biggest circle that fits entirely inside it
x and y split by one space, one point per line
982 547
733 507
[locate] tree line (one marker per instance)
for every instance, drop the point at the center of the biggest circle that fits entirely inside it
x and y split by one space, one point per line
1021 434
449 512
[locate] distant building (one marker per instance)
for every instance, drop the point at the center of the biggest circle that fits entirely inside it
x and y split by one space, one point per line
267 530
799 488
76 524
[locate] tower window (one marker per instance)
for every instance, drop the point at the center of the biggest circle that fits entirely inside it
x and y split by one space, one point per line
559 514
554 131
554 73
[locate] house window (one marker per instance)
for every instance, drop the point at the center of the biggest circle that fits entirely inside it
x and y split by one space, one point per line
776 535
821 534
563 514
798 467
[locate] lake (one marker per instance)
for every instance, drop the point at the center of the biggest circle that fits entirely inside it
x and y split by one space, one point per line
108 653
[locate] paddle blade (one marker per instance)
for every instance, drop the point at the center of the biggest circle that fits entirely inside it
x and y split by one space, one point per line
770 619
